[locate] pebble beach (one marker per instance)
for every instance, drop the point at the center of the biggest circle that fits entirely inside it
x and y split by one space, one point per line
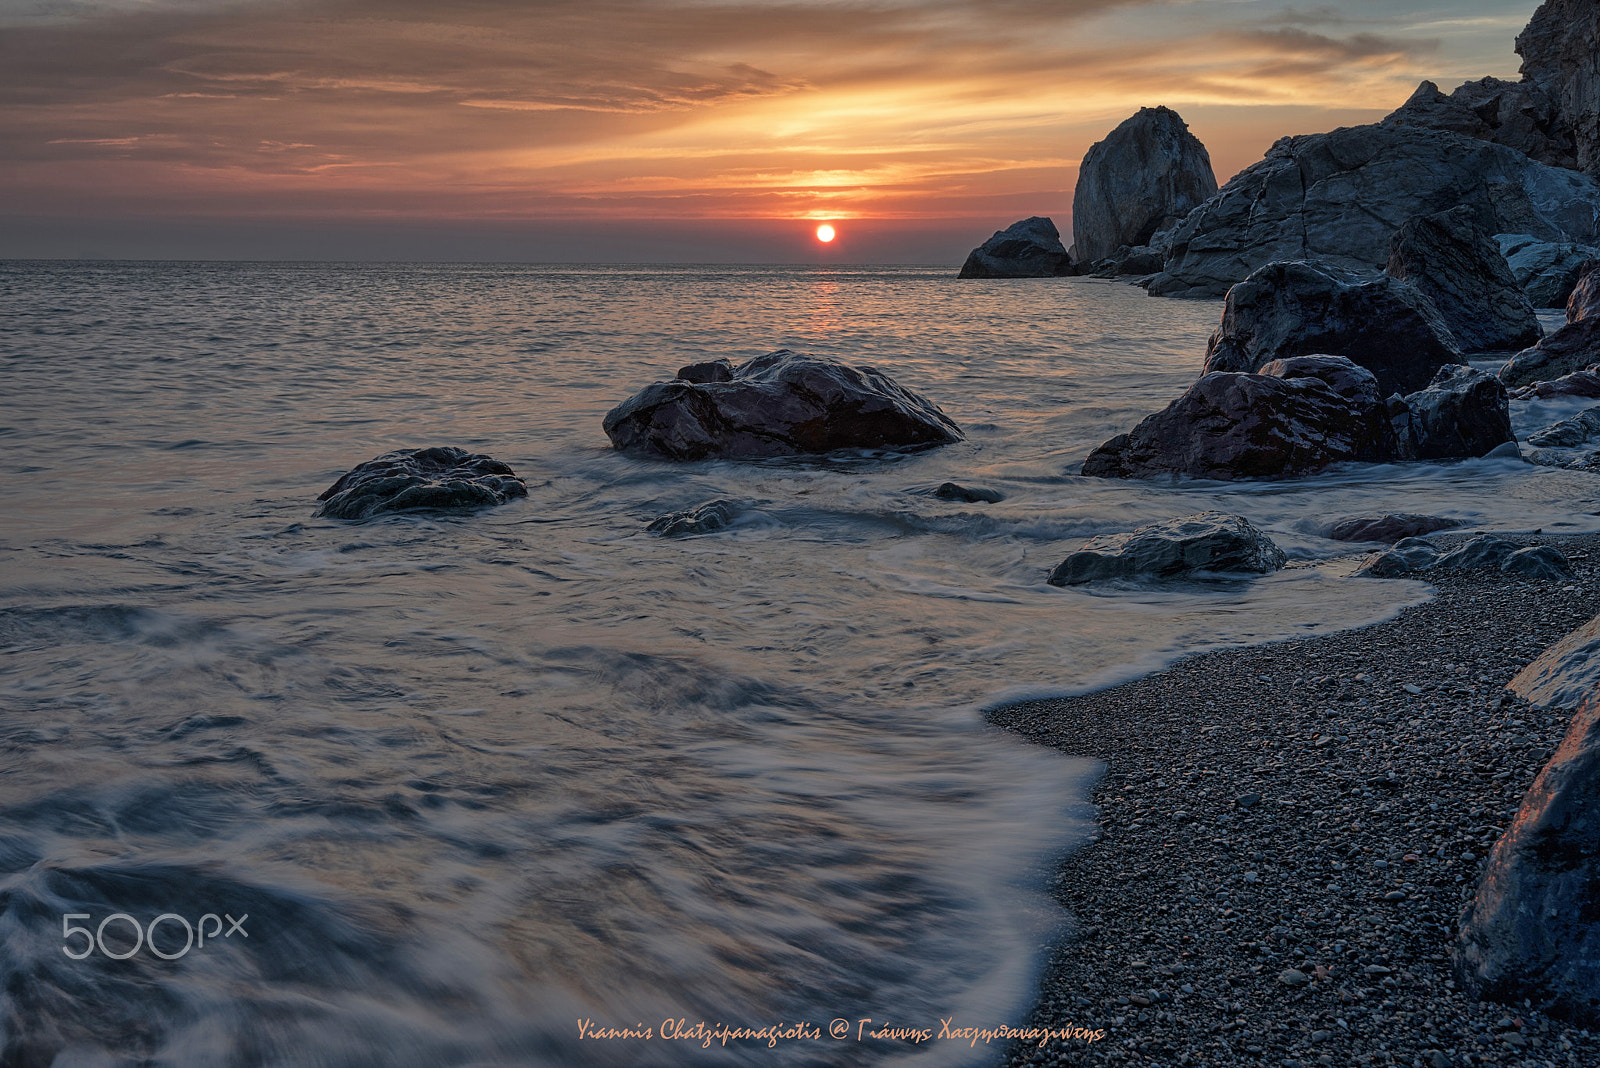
1287 834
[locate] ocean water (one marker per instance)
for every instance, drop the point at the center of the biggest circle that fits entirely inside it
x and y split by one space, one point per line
471 780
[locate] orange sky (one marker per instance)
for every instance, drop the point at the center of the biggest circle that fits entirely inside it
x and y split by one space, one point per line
886 114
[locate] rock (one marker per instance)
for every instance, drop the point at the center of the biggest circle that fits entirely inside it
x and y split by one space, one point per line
1294 309
1141 259
1519 115
1463 412
1540 563
1028 249
1338 197
1293 977
1270 425
1205 541
1459 268
950 491
1572 348
709 371
1406 556
1564 675
1389 527
1533 929
421 480
1145 176
1546 270
1560 50
780 404
1247 800
702 519
1485 550
1585 383
1580 429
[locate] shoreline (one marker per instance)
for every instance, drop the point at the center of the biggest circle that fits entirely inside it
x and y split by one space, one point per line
1283 837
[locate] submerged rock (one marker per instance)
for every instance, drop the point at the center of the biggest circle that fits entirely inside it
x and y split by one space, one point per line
1568 433
1585 383
1458 267
1389 527
1205 541
706 518
1338 197
1145 176
780 404
1574 347
421 480
1463 412
1546 270
1295 418
1532 931
950 491
1295 309
1028 249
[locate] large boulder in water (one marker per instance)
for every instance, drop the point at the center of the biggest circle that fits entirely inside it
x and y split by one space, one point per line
421 480
1144 177
1338 197
1462 412
1560 50
1455 264
780 404
1028 249
1205 541
1572 348
1532 932
1295 418
1297 309
1546 270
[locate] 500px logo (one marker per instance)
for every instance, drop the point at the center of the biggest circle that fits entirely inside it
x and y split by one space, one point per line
146 936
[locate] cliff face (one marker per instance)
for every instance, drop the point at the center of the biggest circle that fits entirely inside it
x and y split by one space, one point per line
1560 50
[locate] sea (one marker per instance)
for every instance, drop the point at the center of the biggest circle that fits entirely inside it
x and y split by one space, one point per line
533 786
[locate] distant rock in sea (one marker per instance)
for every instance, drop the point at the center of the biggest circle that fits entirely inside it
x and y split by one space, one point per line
1143 178
421 480
780 404
1028 249
1297 308
1454 263
707 518
951 491
1205 541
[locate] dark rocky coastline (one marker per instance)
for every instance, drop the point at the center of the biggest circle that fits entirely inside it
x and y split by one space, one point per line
1288 834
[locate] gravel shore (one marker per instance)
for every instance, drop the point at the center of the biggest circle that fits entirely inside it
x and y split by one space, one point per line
1287 834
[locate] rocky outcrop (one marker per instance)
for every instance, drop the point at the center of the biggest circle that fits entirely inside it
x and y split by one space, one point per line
1565 674
1338 197
951 491
1145 176
1538 563
421 480
1560 50
1519 115
1308 413
707 518
1532 931
1296 308
1028 249
780 404
1546 270
1459 268
1205 541
1303 414
1389 527
1574 347
1463 412
1141 260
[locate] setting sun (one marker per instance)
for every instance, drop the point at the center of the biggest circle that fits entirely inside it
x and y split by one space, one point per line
825 233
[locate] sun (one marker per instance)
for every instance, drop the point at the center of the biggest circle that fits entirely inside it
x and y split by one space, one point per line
825 233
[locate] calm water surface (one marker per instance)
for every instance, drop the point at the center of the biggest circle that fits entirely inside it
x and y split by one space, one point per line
473 779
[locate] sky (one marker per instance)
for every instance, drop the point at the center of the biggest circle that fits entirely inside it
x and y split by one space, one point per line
652 130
